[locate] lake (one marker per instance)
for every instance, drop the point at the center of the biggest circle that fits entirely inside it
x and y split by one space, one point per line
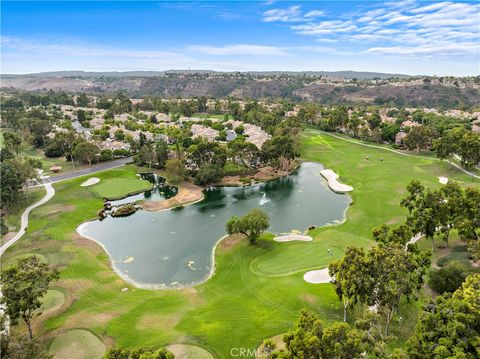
173 248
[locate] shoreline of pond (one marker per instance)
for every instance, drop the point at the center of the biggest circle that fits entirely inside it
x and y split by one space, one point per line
179 286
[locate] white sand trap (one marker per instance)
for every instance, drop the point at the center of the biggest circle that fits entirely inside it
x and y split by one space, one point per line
443 180
91 181
334 185
317 276
293 237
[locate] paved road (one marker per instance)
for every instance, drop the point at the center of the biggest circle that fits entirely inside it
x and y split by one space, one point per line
24 219
84 171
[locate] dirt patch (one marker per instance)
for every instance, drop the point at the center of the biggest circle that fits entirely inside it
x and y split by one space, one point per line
309 298
263 174
87 244
269 173
231 181
75 285
188 193
59 208
230 241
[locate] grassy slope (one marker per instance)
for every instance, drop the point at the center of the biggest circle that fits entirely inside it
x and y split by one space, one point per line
48 162
12 218
256 292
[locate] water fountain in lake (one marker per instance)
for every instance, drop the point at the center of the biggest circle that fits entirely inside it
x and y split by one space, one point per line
264 199
174 248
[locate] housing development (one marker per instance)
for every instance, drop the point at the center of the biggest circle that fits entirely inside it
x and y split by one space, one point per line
255 210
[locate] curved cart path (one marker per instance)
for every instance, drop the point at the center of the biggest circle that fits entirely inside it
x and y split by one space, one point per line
24 219
47 182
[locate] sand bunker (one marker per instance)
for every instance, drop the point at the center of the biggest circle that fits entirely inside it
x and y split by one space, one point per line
292 237
317 276
443 180
334 185
91 181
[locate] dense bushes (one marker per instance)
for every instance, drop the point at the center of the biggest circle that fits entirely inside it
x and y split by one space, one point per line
141 353
447 279
54 151
120 152
105 155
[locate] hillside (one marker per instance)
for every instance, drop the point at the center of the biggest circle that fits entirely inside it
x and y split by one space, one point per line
313 86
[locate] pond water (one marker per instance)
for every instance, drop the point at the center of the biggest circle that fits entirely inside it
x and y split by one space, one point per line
173 248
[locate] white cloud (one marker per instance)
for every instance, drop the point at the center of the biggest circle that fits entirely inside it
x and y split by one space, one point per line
238 49
400 27
451 49
324 27
428 8
82 50
291 14
314 13
326 40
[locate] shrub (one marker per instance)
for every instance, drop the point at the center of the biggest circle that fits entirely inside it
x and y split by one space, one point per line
54 151
447 279
106 155
239 130
125 210
120 152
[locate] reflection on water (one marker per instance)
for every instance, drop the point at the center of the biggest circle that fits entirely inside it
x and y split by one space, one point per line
174 247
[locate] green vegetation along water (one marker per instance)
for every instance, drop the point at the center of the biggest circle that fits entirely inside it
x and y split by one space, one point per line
174 247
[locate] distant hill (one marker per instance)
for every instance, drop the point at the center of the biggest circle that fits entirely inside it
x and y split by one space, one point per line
118 74
315 86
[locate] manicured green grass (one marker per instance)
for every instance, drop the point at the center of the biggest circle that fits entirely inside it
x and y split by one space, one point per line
256 292
117 187
54 299
77 344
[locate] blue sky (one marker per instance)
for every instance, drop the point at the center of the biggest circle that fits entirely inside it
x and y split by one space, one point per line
412 37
